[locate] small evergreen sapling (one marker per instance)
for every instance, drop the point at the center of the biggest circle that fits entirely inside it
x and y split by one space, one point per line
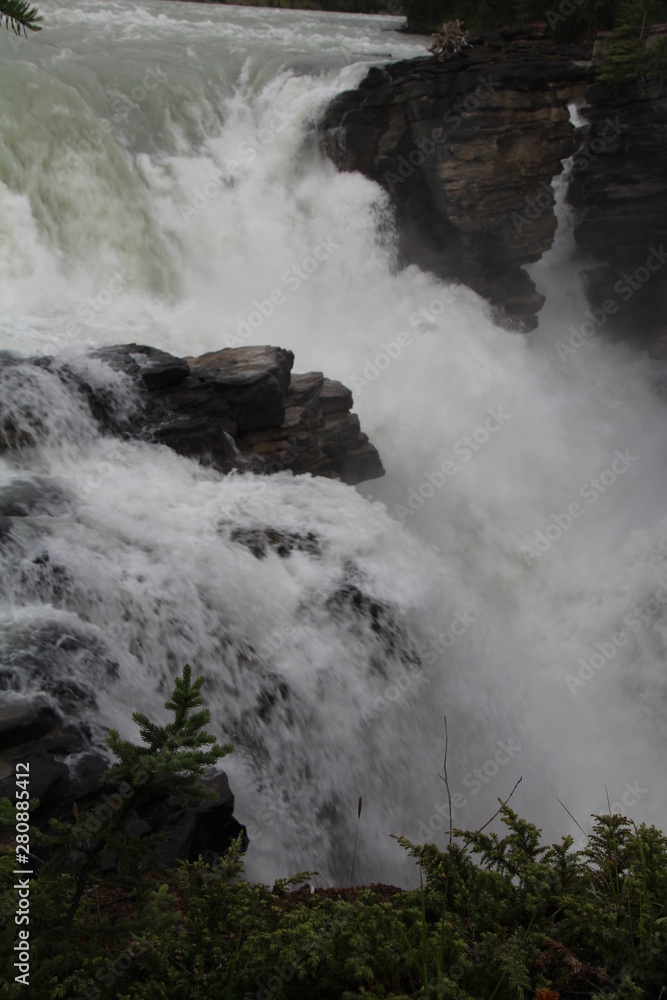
174 758
169 765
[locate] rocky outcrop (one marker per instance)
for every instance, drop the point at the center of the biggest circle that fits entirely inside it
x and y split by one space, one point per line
619 190
65 773
239 408
467 148
242 408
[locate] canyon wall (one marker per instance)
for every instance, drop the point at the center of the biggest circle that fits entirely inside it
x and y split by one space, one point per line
467 147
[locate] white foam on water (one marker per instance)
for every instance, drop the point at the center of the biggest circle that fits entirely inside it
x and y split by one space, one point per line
159 181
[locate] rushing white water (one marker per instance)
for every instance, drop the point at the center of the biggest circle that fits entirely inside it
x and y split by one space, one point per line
159 179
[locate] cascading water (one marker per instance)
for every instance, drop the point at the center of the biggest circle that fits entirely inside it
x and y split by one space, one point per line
159 180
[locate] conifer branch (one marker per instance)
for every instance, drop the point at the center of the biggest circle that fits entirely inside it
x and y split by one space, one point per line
18 14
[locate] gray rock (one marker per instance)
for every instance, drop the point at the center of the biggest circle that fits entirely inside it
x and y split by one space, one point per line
22 721
467 149
241 408
65 769
619 189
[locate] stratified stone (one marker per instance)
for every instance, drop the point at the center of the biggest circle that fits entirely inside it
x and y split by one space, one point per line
154 368
252 380
467 149
619 190
240 408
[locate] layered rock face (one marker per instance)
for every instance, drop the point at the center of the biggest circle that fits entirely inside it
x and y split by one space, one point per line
239 408
467 148
619 190
242 408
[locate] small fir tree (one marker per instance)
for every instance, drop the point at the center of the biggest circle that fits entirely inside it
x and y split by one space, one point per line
169 765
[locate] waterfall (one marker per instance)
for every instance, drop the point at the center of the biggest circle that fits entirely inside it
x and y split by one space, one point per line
160 182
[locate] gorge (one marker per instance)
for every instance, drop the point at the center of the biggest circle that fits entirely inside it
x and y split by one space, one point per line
178 167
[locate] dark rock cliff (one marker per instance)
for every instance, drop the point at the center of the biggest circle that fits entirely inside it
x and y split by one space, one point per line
66 771
619 191
468 148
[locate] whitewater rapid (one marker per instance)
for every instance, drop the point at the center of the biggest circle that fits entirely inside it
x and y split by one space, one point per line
161 182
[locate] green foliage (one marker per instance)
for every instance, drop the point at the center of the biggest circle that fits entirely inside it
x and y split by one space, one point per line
594 914
628 57
18 14
79 856
173 758
497 917
568 20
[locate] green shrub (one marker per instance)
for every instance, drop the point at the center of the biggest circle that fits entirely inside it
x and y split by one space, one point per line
498 917
627 57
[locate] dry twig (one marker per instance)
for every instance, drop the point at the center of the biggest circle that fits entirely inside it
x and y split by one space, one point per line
444 778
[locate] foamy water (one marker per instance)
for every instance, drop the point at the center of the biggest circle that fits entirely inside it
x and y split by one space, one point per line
160 181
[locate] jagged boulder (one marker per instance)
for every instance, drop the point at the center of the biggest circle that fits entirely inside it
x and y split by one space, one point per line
238 408
242 408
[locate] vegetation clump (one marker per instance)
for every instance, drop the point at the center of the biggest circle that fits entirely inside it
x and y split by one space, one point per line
629 57
496 917
451 38
578 21
571 18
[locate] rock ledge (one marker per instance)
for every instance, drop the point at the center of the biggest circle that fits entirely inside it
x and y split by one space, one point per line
241 408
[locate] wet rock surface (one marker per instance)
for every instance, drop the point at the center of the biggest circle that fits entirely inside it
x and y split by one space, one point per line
467 149
242 408
619 191
66 774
